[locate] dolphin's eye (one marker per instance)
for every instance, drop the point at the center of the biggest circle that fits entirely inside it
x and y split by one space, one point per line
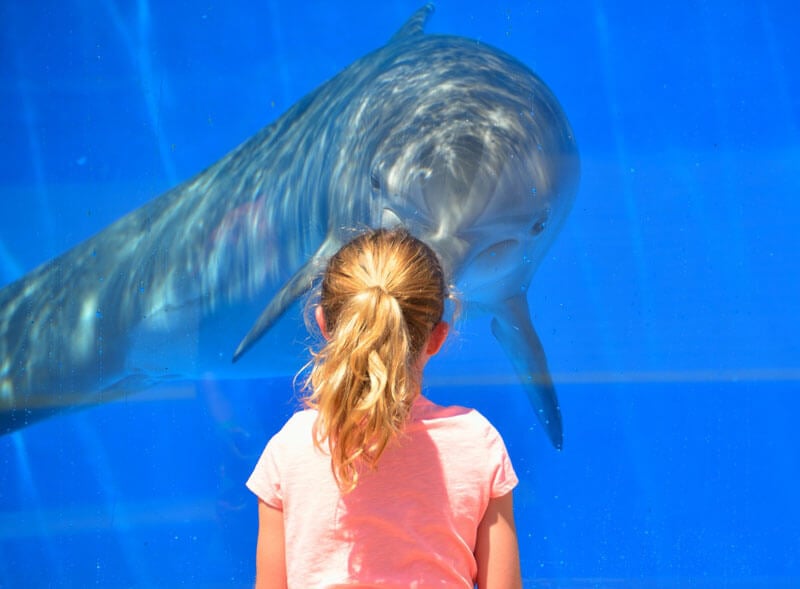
540 224
374 181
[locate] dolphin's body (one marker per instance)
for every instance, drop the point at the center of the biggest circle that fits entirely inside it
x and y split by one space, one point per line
454 139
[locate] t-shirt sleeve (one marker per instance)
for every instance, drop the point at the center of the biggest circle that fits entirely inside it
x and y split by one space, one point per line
503 477
265 480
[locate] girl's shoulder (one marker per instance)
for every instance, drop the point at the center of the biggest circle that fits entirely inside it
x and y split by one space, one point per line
300 420
299 424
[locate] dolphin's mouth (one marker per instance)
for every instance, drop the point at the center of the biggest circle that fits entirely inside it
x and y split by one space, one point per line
496 272
497 251
497 260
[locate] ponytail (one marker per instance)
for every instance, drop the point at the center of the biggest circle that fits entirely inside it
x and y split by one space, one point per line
381 296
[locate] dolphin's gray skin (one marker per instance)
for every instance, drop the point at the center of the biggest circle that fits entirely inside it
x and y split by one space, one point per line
454 139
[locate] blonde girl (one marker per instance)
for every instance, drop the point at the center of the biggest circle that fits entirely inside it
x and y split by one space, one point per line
373 485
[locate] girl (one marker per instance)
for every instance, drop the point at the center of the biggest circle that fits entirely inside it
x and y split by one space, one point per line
372 484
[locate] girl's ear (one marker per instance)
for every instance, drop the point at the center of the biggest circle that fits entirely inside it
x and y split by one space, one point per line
438 335
320 317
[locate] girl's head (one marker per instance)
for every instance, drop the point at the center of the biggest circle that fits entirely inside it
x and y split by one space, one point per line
381 304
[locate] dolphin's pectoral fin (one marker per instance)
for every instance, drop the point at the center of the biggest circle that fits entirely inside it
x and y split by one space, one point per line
513 329
288 294
294 288
414 25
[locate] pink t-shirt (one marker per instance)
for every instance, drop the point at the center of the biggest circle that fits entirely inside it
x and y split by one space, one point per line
412 522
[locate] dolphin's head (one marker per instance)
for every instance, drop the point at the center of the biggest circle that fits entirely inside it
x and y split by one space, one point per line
455 140
481 164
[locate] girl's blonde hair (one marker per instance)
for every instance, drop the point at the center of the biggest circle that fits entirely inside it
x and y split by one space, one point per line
381 296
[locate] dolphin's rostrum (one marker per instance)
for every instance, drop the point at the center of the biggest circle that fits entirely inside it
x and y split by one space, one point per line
454 139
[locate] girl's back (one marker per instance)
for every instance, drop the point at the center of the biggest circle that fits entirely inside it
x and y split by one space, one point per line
410 522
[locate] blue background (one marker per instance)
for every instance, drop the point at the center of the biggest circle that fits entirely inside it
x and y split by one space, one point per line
668 305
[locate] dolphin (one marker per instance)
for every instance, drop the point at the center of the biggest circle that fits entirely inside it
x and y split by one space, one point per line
454 139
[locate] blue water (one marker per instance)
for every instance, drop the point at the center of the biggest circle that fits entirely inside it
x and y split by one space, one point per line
668 306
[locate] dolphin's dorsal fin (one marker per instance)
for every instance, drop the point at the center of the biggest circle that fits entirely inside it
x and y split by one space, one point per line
415 25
